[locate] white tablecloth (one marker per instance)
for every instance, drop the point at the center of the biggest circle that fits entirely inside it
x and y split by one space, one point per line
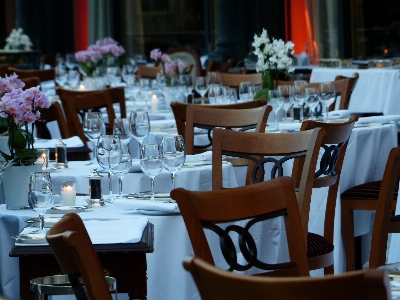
365 161
377 89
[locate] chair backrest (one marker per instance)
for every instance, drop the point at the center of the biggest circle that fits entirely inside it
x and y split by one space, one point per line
44 75
75 105
4 70
209 118
30 82
234 79
179 110
384 222
329 167
77 257
189 57
269 151
255 203
220 66
348 88
148 72
216 284
53 113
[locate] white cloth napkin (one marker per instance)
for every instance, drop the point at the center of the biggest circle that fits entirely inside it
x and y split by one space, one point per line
206 156
379 119
146 205
71 142
289 126
338 114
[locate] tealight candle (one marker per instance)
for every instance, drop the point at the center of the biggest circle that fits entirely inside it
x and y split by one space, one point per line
81 87
154 102
68 193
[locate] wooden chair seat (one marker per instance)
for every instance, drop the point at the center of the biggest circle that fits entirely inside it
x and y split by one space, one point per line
367 191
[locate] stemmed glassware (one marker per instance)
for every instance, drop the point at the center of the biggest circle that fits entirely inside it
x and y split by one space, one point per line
273 97
109 155
246 89
173 154
327 96
285 98
151 162
128 74
186 82
214 78
139 126
40 195
93 126
299 93
121 128
201 86
312 99
123 167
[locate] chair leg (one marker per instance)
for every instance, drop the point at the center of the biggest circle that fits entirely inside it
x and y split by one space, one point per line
347 218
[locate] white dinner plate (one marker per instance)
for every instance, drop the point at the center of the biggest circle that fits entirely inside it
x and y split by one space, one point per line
66 209
157 212
48 222
31 238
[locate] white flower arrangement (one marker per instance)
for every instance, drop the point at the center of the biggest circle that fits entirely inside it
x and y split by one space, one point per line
275 53
18 41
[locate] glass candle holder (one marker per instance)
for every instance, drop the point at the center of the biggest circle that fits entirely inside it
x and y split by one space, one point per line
61 155
43 159
68 193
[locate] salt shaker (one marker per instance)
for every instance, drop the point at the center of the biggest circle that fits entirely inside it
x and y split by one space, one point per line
96 198
61 155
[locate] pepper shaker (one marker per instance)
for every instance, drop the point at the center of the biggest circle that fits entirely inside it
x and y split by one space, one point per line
61 155
96 198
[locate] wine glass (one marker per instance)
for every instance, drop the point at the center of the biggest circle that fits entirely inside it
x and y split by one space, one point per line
201 86
40 195
173 154
109 155
213 78
299 93
312 99
327 96
128 74
121 128
123 167
286 98
93 126
151 162
139 126
245 90
187 84
273 96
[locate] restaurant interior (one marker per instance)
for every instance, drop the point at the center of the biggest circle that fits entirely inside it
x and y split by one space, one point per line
203 149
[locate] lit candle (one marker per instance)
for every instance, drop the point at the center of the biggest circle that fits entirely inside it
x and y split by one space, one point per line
43 159
154 102
81 87
68 193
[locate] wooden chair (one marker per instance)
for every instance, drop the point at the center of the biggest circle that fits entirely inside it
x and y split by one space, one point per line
4 70
216 284
179 110
44 75
249 203
234 79
380 196
76 105
209 118
53 113
117 96
269 151
76 256
189 57
328 171
220 66
30 82
149 72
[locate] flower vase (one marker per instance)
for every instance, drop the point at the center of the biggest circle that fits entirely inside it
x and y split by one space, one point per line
15 182
267 84
90 84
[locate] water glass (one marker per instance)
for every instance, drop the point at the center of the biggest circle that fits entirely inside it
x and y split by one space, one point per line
123 167
327 96
151 163
201 86
273 97
121 128
139 125
285 98
312 99
173 154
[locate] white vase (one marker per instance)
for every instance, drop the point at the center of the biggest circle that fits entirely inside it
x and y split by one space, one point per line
15 181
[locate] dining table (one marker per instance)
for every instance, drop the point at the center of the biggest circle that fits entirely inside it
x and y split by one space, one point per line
377 89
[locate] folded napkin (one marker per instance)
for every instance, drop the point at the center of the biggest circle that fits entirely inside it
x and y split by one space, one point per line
379 119
146 205
338 114
109 231
206 156
289 126
71 142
